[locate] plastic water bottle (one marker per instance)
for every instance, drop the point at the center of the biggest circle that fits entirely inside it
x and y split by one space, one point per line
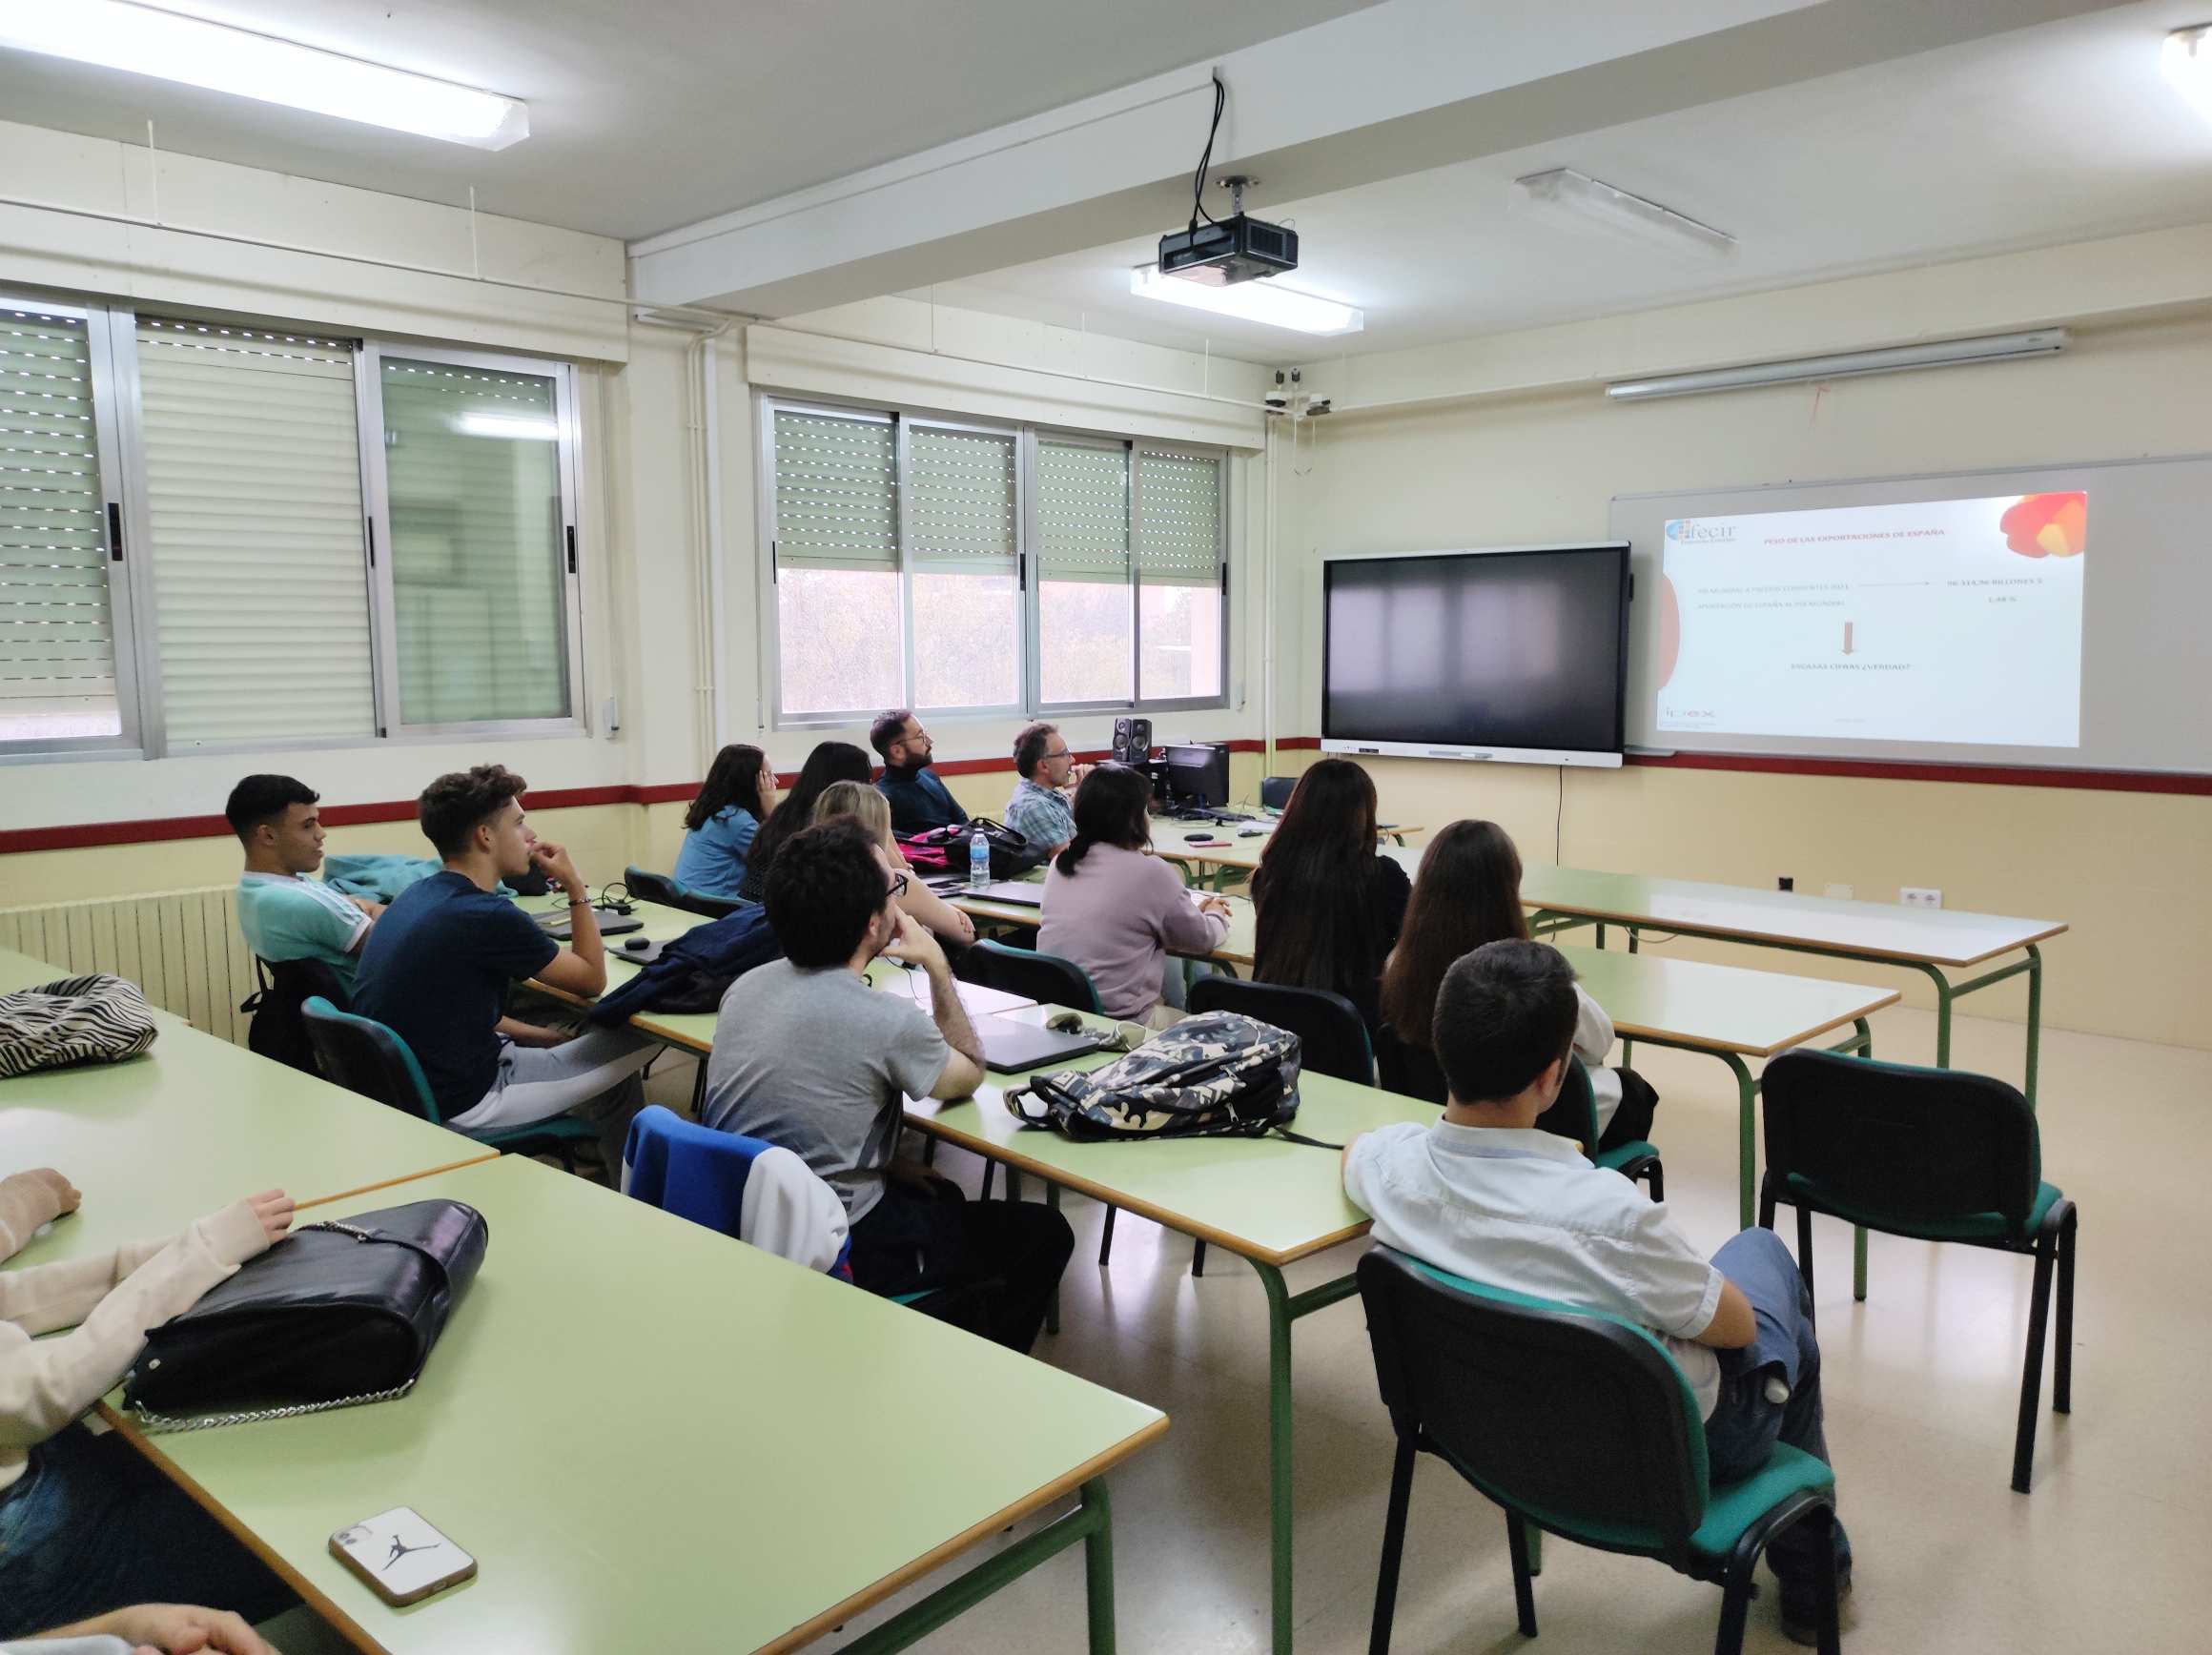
978 860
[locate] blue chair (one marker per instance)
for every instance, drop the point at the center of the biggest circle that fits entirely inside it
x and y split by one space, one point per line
1934 1155
1577 1422
365 1057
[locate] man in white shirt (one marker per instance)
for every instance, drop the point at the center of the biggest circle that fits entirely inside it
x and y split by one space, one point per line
1484 1194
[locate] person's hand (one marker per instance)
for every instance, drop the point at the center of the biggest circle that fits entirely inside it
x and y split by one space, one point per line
182 1629
963 926
272 1208
555 861
1076 773
914 944
534 1034
1216 905
66 1197
368 906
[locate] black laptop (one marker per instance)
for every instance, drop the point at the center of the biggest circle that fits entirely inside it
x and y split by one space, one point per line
1011 1047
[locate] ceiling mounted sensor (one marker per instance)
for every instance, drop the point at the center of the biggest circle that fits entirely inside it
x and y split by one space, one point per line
1254 301
2187 57
144 40
1944 354
1572 197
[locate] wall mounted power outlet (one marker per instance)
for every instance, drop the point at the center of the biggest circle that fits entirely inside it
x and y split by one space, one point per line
1920 896
1785 883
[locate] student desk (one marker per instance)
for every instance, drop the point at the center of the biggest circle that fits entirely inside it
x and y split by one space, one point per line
1266 1199
194 1123
1930 941
1241 855
653 1436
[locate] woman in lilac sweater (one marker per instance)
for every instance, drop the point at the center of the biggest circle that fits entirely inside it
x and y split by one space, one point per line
1115 908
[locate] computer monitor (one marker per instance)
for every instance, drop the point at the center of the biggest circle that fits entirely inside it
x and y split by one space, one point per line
1198 777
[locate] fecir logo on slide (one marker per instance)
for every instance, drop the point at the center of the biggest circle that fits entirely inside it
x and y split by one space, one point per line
1952 621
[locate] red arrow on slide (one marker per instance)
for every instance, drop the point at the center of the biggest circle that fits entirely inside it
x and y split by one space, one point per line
1847 638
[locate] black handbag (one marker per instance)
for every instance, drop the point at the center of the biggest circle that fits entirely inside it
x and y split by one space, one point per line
337 1314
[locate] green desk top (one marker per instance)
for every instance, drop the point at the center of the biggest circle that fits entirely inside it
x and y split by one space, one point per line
1170 839
1264 1199
1885 930
1718 1008
655 1438
192 1125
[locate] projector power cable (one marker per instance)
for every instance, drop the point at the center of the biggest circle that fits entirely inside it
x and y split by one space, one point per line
1206 160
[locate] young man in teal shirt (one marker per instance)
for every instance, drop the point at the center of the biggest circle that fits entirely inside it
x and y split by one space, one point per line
284 914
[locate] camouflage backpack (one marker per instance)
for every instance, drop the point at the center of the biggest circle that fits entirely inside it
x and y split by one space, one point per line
1210 1076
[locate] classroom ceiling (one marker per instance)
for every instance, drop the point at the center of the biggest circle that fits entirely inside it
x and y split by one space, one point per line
2045 136
657 112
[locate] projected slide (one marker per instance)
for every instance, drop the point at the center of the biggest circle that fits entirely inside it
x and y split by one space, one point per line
1947 621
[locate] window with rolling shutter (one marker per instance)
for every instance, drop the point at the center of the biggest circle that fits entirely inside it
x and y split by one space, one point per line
476 499
1179 568
1086 622
836 563
57 634
962 506
254 511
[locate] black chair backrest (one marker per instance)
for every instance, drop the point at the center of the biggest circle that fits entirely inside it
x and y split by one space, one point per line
1331 1037
366 1057
278 1031
1274 791
1574 1416
1915 1144
664 889
1048 979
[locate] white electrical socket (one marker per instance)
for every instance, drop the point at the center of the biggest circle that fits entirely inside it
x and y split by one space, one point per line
1841 892
1920 896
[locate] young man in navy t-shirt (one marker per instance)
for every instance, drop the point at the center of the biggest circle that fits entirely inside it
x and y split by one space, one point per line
437 968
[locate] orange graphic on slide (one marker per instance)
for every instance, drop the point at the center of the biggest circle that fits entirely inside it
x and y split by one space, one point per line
1669 630
2046 525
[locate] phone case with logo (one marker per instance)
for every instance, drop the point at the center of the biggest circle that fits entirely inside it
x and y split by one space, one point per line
402 1558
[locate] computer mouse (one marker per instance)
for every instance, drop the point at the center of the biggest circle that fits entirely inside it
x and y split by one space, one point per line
637 945
1252 833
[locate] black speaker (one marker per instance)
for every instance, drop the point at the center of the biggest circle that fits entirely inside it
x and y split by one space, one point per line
1132 740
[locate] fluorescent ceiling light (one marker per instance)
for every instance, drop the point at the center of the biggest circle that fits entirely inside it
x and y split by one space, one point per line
512 425
1945 354
1565 194
144 41
2188 60
1253 301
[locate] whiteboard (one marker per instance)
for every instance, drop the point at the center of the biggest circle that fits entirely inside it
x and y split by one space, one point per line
2145 604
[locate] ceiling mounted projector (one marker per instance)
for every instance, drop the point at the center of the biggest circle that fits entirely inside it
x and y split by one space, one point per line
1222 251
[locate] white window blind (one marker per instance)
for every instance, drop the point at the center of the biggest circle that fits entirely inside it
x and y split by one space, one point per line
1178 518
253 498
960 498
961 536
837 493
57 647
472 461
1083 512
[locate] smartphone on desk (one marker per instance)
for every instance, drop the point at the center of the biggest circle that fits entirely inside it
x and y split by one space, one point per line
402 1557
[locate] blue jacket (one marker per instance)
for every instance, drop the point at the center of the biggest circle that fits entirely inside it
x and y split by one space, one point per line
918 801
695 970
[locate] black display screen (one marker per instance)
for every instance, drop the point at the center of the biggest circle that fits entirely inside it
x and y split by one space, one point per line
1481 650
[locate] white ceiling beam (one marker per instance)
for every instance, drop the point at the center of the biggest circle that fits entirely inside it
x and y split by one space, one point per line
1400 88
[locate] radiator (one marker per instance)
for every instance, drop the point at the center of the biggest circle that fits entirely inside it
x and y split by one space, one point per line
181 946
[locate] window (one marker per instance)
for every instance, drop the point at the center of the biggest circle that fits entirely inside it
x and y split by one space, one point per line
65 658
252 482
480 583
967 567
225 535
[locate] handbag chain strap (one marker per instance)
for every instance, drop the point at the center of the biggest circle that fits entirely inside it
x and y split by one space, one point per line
153 1423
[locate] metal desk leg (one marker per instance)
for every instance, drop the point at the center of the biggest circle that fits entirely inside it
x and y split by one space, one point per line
1747 1136
2035 1019
1282 1309
1092 1523
1628 1047
1053 1304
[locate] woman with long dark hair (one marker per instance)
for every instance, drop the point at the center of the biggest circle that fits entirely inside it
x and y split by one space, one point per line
1468 893
1328 908
830 761
718 829
1115 908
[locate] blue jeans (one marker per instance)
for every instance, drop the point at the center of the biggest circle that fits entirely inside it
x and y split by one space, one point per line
91 1526
1740 1436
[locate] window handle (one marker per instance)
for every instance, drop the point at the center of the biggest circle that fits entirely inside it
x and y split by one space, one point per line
114 532
570 530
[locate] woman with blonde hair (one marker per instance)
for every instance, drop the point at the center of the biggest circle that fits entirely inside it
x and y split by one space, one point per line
866 805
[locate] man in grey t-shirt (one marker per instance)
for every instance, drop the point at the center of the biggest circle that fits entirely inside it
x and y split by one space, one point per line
808 1057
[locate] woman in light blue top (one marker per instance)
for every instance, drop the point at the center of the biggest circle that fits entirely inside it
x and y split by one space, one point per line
739 793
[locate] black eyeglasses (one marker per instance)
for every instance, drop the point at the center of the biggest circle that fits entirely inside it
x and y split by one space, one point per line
898 887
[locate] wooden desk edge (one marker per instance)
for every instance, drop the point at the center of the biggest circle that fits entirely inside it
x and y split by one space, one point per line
1719 933
1164 1216
868 1597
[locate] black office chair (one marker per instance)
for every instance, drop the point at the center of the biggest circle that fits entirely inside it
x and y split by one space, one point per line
1274 791
367 1057
278 1029
664 889
1048 979
1580 1424
1331 1038
1931 1153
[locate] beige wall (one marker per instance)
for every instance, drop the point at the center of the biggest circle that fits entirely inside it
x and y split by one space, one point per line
2132 874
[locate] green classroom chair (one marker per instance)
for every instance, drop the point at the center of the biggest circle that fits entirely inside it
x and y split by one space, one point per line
1934 1155
1576 1422
668 891
1636 1160
364 1056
